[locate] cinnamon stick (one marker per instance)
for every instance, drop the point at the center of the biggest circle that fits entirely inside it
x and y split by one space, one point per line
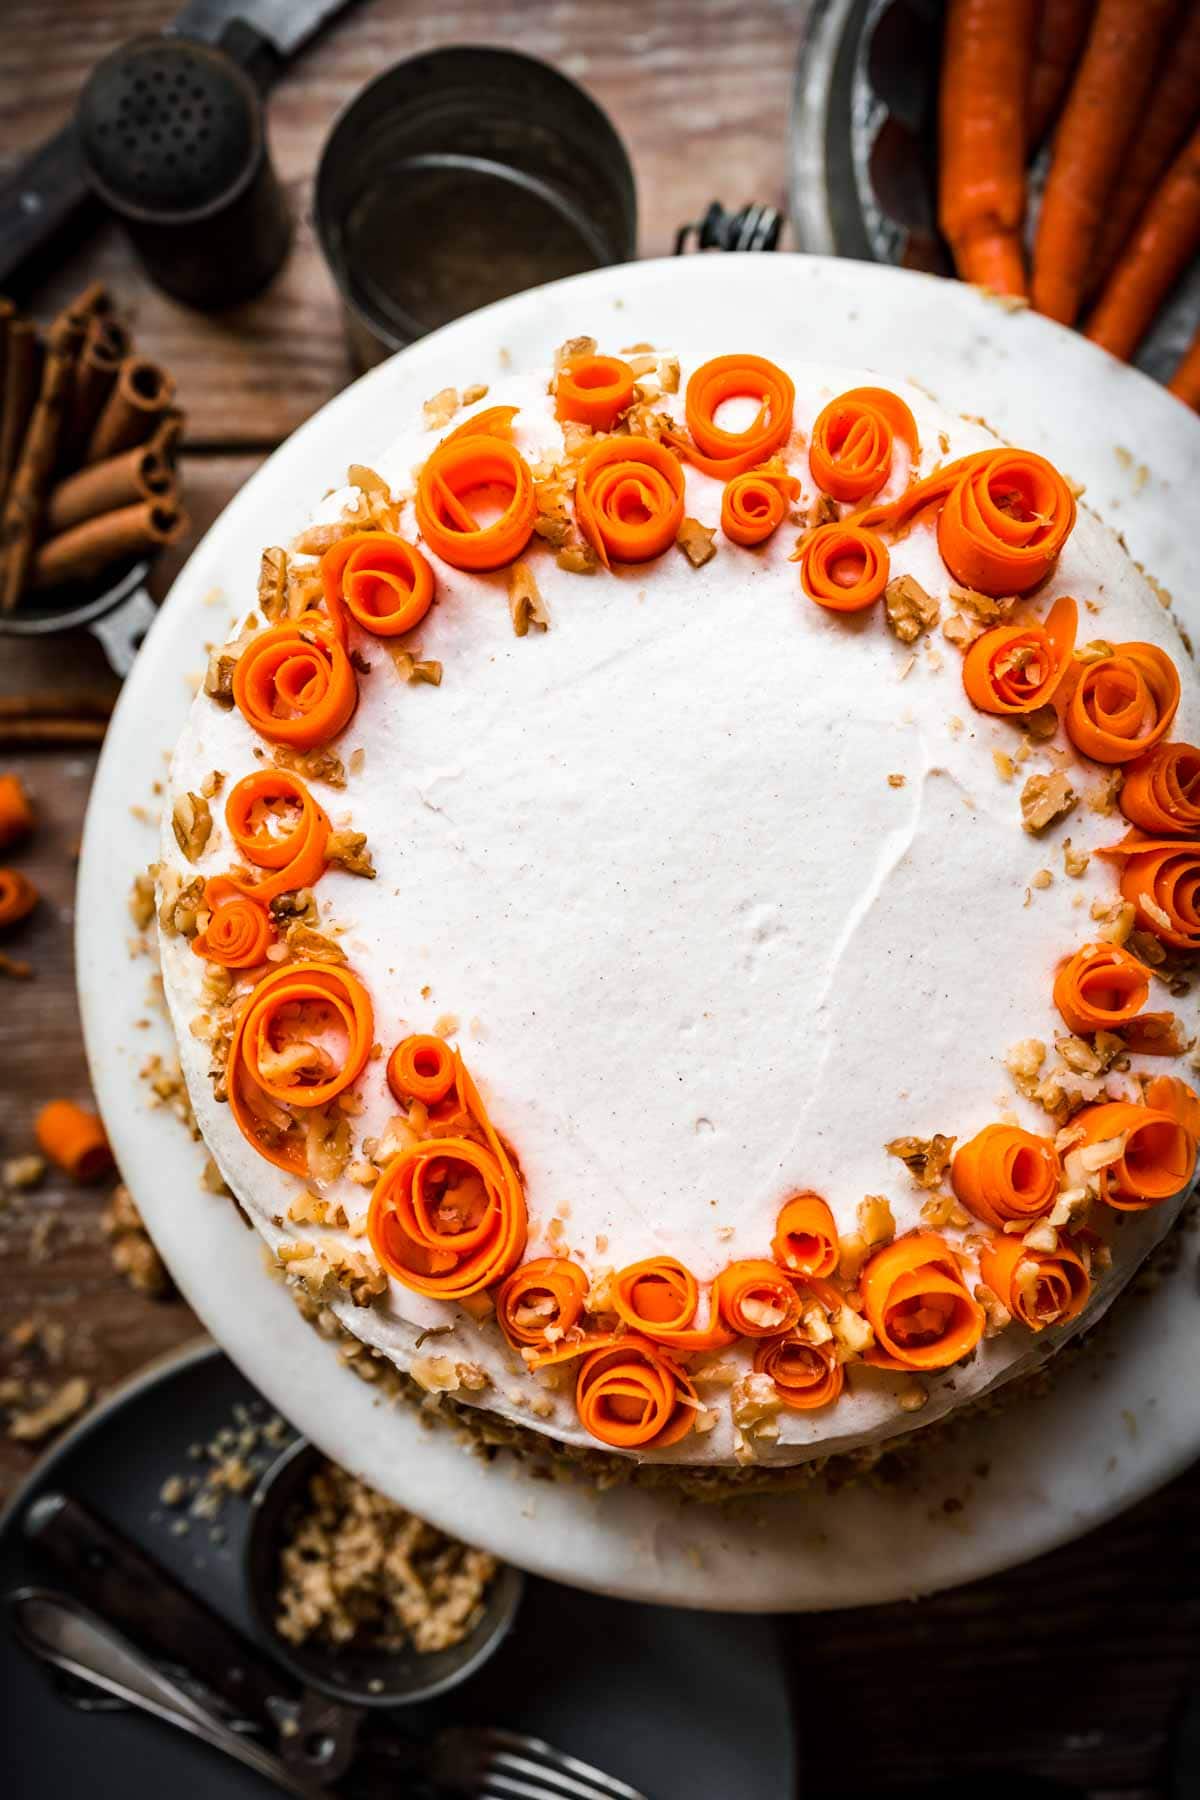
22 376
31 478
25 733
140 396
105 347
105 487
114 537
167 435
57 703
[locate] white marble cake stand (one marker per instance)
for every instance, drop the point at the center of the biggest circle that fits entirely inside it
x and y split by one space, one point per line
1115 1425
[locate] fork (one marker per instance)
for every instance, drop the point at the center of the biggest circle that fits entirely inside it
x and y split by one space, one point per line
507 1765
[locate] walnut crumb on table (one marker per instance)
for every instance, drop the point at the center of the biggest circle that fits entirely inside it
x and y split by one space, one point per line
697 541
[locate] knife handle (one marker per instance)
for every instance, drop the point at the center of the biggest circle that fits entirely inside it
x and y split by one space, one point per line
43 195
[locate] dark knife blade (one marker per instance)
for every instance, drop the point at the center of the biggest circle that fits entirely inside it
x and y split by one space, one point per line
46 191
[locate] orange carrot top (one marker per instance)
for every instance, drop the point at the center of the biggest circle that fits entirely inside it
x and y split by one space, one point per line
594 390
1017 668
295 685
74 1139
16 811
850 455
725 453
918 1305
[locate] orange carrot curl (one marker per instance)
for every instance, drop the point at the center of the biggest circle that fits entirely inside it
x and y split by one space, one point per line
541 1301
18 897
757 1299
16 812
660 1298
1164 241
74 1139
1153 1155
1104 988
422 1068
1160 877
632 1395
594 390
806 1237
238 934
806 1376
629 499
294 684
479 456
1017 668
1123 704
986 59
1161 790
1185 382
1038 1287
918 1305
383 582
755 504
723 453
1004 1175
844 568
850 454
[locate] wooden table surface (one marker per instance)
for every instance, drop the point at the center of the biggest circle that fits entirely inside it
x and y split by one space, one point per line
1069 1668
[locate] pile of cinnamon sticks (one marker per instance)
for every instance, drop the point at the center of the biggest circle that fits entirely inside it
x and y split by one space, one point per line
88 437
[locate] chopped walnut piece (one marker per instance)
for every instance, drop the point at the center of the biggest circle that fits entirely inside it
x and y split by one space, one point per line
875 1222
1041 878
853 1250
313 765
909 609
823 511
754 1402
141 900
20 1173
1102 798
1003 764
218 677
926 1159
348 850
1115 920
1040 724
985 607
440 409
307 945
851 1332
192 823
697 541
553 521
897 781
961 632
995 1312
525 602
1075 862
63 1405
273 584
179 904
576 346
1147 948
412 668
133 1254
1045 799
912 1396
578 559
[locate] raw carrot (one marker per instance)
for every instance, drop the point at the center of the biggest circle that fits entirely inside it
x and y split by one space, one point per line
985 78
16 813
1062 30
1161 134
74 1139
1104 109
1185 382
1166 238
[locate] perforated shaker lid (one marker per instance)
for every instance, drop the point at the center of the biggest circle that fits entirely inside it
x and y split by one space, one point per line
168 127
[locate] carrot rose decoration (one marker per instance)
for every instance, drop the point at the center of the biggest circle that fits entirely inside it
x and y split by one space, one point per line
629 499
16 812
1004 1175
383 582
541 1301
295 684
850 455
421 1068
278 826
918 1305
1166 1093
1104 988
1161 878
18 897
755 504
238 934
1123 704
660 1298
722 453
806 1376
1005 517
1038 1287
1161 790
843 567
74 1139
757 1299
594 390
447 1217
633 1396
806 1238
303 1039
1152 1155
1017 668
478 458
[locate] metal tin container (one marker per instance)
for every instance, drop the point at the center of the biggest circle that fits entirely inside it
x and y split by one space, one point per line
458 178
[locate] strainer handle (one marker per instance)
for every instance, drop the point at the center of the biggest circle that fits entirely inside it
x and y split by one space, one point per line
42 195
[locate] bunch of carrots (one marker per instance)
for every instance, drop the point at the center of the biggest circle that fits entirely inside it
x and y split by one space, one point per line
1117 84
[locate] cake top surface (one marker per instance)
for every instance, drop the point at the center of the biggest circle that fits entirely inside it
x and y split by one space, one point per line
722 896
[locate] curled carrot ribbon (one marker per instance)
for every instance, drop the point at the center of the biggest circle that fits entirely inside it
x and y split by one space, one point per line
73 1138
1004 1175
1017 668
850 455
279 828
633 1396
303 1039
447 1217
1104 988
1161 879
478 455
1123 704
722 453
659 1297
422 1068
806 1238
16 811
381 580
1161 789
594 390
755 504
629 499
541 1301
918 1305
295 684
1157 1154
806 1376
1005 516
1166 1093
843 567
18 896
756 1299
1039 1287
238 934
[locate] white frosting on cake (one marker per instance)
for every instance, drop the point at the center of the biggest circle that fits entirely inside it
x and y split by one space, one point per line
702 952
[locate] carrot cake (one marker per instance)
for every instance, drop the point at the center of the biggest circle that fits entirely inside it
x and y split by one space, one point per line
677 902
